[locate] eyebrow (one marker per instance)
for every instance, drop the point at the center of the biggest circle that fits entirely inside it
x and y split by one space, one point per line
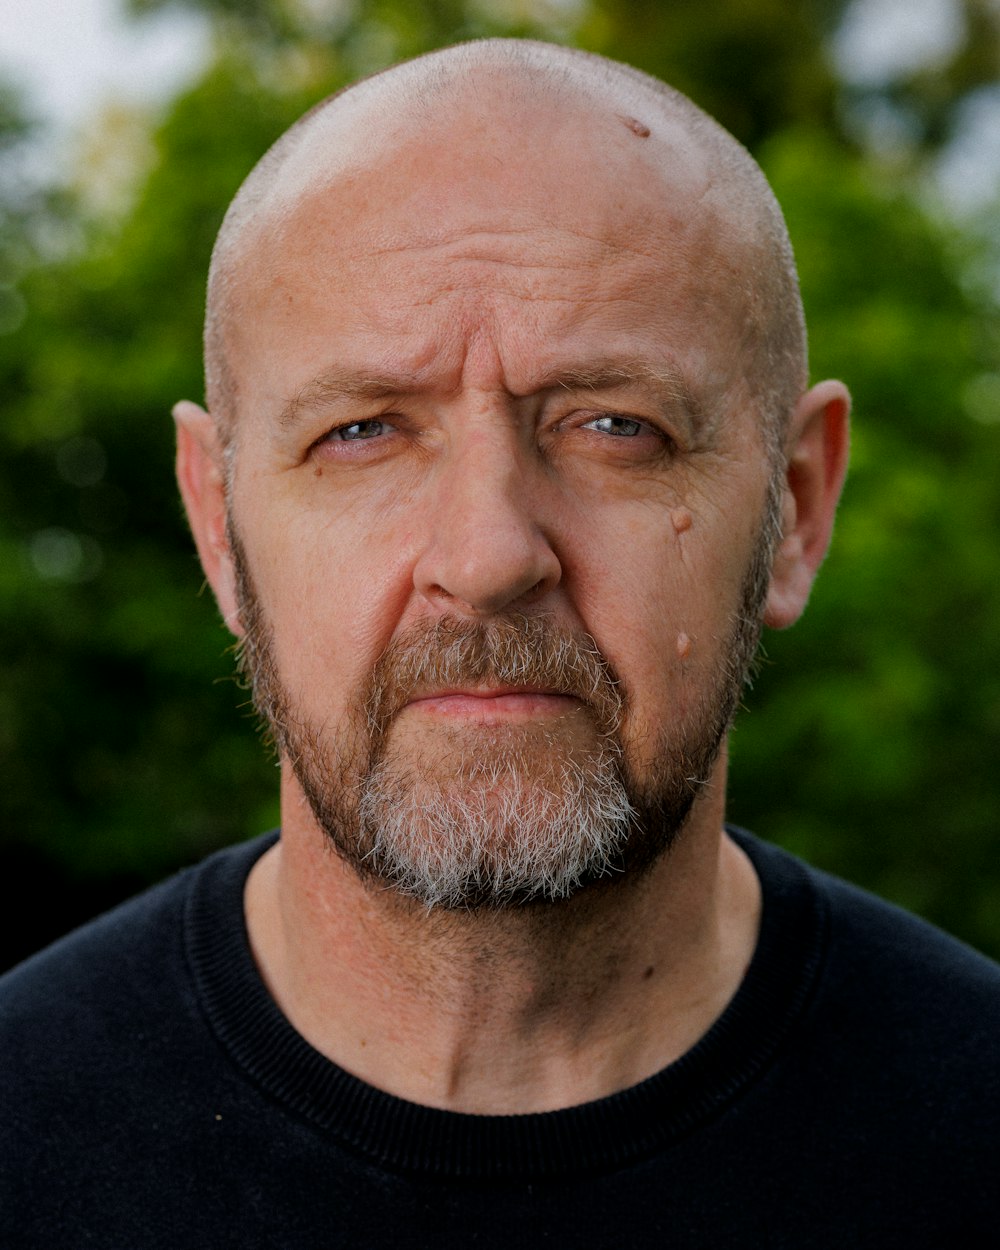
334 386
665 378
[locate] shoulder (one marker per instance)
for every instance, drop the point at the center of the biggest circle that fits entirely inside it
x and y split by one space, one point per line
903 1021
870 942
879 948
107 1062
928 1007
121 967
103 959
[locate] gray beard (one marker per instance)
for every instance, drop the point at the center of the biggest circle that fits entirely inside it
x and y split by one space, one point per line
510 825
501 817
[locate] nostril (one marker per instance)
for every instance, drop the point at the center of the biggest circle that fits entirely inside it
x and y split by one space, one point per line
437 591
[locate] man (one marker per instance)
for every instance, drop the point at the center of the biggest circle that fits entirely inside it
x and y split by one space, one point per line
509 452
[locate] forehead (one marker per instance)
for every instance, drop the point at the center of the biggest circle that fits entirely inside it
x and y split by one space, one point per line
499 209
501 118
391 163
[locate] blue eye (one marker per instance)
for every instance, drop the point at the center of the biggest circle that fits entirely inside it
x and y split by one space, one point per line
358 430
620 427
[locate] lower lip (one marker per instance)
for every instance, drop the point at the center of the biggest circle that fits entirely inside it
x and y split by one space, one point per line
526 706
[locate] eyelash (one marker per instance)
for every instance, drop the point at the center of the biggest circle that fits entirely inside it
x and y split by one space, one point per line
638 425
623 428
338 432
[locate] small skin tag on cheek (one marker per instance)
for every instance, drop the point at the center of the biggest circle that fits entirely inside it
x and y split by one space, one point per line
681 519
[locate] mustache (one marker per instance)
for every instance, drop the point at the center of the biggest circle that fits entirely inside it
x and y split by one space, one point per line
515 650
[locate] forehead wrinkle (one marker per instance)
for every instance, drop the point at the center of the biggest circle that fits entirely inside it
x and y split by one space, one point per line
637 228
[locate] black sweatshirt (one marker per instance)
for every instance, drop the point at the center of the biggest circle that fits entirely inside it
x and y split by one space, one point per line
152 1095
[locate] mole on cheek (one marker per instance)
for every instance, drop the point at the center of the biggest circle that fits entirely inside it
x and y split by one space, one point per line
318 471
683 646
681 519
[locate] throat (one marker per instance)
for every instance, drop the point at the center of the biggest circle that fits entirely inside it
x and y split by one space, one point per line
498 1012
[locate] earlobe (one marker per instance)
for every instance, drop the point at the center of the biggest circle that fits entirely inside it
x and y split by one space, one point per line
817 450
201 478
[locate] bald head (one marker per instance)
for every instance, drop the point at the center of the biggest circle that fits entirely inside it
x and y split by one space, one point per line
499 92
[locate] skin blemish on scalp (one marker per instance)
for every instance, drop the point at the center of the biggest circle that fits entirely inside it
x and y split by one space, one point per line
681 520
635 125
683 646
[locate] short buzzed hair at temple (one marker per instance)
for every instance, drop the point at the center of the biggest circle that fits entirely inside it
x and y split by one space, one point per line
774 342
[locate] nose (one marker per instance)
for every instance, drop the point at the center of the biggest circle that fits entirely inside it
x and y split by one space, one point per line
487 549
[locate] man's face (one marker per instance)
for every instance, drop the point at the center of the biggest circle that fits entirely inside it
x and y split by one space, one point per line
498 500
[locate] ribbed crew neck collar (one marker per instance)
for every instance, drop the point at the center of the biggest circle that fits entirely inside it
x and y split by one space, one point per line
593 1137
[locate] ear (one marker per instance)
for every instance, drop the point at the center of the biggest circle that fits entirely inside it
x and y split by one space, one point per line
816 453
201 477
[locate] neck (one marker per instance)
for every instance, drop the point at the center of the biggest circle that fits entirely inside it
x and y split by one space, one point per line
501 1012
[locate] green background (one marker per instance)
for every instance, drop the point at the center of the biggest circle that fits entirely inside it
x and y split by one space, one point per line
869 743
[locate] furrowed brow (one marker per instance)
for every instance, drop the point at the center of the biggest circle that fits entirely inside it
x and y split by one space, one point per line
333 387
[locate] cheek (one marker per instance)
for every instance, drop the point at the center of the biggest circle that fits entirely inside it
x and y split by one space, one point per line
332 592
660 603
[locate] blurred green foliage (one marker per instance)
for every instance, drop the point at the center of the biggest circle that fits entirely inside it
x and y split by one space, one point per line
870 743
